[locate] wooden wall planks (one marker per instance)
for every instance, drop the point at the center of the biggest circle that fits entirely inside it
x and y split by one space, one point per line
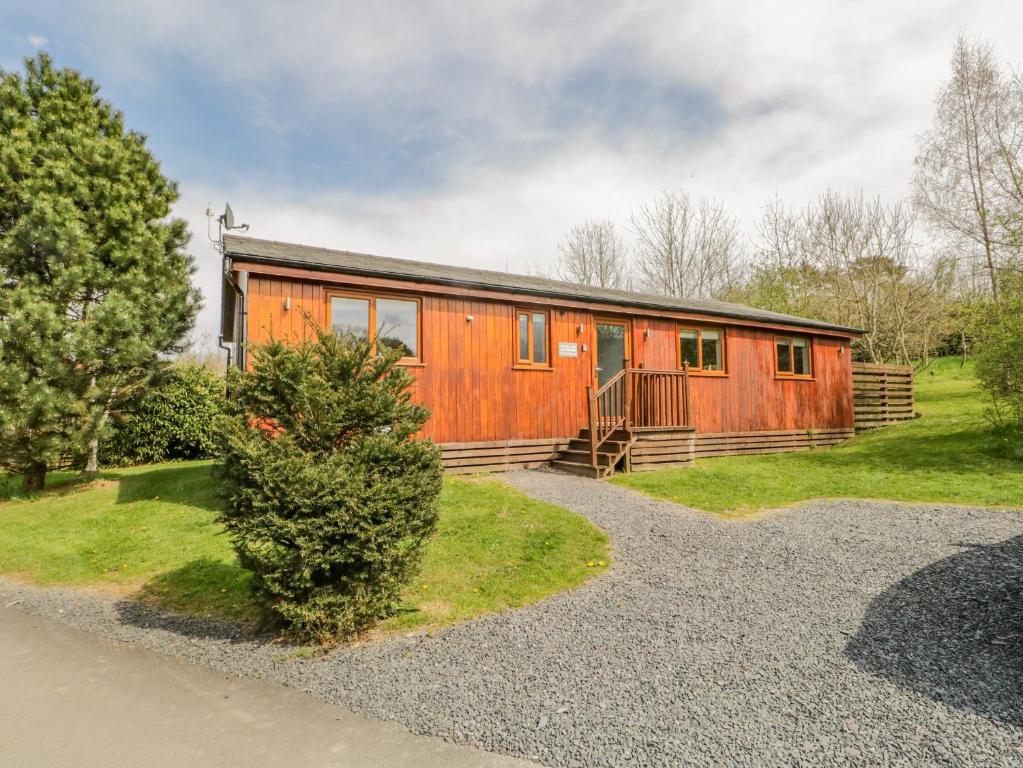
750 396
468 380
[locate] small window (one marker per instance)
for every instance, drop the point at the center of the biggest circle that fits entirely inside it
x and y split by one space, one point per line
395 322
533 338
703 349
793 356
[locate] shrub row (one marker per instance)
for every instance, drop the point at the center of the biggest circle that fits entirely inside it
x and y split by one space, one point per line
173 419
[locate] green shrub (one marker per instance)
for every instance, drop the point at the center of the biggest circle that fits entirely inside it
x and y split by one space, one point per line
173 419
1006 441
999 355
330 496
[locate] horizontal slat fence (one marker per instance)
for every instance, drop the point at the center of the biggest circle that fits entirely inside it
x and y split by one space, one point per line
882 394
500 455
774 441
661 449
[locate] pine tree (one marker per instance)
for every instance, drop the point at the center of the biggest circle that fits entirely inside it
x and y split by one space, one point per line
94 281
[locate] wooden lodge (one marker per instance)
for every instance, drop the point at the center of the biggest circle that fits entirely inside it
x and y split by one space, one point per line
522 371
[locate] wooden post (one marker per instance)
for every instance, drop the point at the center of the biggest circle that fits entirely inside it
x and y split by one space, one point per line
593 426
628 399
685 373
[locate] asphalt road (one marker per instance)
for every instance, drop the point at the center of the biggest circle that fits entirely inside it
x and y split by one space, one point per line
71 698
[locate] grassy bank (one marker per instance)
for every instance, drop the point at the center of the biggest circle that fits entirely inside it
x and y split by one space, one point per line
947 455
151 533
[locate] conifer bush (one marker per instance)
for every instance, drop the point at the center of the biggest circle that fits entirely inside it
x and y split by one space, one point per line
329 494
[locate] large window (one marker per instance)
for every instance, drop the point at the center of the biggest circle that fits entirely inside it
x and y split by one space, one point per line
532 329
703 349
394 322
793 356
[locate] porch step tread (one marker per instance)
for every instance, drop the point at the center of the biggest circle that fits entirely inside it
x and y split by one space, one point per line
584 469
583 457
609 446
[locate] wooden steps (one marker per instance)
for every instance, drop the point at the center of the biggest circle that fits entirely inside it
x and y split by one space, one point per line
577 458
635 450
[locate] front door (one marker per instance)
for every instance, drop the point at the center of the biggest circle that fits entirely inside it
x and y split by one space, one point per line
612 349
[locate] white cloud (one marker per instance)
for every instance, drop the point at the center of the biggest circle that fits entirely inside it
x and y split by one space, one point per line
37 41
813 96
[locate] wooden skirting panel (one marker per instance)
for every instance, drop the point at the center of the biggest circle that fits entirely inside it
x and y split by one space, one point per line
774 441
500 455
661 449
882 394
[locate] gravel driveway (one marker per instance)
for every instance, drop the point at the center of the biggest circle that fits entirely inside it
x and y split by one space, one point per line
835 633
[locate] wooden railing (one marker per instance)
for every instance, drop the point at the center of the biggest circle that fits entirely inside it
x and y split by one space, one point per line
659 398
609 406
638 398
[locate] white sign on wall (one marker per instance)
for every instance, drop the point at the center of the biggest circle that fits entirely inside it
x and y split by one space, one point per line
568 349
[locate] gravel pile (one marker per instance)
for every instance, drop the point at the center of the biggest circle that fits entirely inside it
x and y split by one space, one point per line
836 633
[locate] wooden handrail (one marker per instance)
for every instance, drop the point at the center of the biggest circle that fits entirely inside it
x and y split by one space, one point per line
607 411
640 398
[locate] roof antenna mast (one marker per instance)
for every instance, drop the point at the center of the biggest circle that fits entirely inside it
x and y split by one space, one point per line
225 222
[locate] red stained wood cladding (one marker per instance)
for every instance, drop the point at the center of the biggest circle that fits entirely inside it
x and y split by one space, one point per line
469 382
750 397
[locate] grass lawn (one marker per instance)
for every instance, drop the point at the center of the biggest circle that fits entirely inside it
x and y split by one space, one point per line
944 456
151 533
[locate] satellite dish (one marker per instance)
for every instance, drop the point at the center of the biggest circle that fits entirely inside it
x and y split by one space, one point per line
227 220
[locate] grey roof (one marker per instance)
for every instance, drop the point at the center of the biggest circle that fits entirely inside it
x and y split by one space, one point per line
306 256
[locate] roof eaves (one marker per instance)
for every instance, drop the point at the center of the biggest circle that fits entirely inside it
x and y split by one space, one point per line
276 260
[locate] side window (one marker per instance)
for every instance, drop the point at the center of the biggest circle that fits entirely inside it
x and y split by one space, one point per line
533 328
801 356
702 348
793 356
711 350
391 323
689 344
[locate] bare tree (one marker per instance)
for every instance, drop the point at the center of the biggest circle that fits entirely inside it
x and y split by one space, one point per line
970 166
781 271
686 249
852 261
1008 137
593 254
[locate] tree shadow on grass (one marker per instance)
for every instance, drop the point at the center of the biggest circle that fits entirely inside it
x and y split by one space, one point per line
205 598
953 631
959 452
190 485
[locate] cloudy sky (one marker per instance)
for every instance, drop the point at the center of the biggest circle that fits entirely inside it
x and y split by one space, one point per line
477 133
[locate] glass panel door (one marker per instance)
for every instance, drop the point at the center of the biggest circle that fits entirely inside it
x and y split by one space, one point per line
612 350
